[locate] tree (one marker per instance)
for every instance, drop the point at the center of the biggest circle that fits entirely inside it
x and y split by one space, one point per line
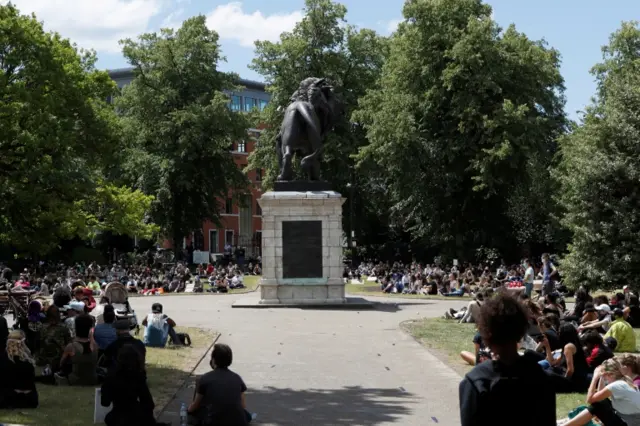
599 173
57 134
463 112
322 45
179 125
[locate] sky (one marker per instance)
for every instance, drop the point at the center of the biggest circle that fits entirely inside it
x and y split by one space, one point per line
577 28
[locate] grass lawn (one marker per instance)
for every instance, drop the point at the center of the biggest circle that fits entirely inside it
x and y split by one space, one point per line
447 339
373 289
73 406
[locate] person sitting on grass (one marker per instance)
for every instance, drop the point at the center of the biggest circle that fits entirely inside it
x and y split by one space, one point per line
622 331
126 389
220 394
571 365
54 337
80 358
124 338
158 327
94 285
631 367
602 323
632 311
589 314
596 350
493 391
482 353
17 369
623 407
104 333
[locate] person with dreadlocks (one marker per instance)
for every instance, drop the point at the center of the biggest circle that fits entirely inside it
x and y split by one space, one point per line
17 369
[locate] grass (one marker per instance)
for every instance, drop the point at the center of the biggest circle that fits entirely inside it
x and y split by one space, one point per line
73 406
373 289
448 338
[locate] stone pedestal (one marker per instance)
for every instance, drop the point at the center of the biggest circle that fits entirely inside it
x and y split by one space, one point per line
302 248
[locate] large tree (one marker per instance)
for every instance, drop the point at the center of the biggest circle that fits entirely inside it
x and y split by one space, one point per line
599 172
464 111
177 119
57 133
324 45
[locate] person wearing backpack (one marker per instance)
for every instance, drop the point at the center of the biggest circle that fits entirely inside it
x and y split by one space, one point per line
492 393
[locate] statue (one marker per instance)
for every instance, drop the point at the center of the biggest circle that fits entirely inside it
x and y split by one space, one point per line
306 122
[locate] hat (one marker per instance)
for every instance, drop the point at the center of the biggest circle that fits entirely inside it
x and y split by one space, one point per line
625 288
121 325
588 307
156 308
604 307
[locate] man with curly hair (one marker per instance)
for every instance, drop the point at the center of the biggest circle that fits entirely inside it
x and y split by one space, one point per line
493 393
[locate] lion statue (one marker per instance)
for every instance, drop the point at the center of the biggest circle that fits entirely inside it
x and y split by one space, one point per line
306 122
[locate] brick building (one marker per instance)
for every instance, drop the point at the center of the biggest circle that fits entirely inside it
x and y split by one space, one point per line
241 222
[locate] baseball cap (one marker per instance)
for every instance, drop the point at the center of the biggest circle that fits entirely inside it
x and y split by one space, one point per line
156 308
603 307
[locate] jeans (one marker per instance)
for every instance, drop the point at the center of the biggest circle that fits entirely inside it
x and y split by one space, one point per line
528 288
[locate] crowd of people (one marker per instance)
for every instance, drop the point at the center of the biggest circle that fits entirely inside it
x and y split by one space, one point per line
527 352
138 278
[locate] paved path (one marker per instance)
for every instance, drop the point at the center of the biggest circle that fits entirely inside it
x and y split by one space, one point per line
325 367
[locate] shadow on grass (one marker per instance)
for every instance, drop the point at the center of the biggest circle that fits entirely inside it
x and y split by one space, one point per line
320 407
74 405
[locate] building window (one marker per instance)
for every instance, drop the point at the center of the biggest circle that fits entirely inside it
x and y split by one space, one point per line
258 175
236 103
242 146
228 237
262 104
228 206
250 104
258 209
258 238
198 240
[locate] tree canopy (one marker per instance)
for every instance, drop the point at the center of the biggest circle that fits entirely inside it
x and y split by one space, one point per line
179 127
599 172
57 135
463 114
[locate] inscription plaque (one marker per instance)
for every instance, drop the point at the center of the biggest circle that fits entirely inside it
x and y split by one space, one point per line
302 249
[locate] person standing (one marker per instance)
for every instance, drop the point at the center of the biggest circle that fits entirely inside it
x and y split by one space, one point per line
549 272
528 277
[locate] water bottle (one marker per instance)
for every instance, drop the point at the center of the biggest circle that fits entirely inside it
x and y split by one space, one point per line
183 414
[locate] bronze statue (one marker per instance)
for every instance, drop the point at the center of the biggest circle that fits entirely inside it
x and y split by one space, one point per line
306 122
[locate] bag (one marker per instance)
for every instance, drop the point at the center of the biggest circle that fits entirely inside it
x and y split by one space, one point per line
185 339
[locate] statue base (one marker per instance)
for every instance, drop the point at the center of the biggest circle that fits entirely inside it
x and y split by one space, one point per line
302 248
301 186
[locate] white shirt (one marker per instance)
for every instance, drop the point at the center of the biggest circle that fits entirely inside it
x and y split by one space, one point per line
528 275
624 397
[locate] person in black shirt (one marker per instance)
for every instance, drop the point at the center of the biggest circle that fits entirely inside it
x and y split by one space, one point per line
17 369
493 391
124 338
126 388
219 398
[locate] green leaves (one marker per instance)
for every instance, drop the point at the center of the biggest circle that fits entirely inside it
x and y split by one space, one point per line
460 114
598 172
58 135
179 128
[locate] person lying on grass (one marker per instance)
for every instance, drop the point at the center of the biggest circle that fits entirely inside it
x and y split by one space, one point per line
613 398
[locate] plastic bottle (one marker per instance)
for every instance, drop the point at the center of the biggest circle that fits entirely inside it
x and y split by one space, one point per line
183 414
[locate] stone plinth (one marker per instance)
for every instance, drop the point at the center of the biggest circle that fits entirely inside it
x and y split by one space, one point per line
302 248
